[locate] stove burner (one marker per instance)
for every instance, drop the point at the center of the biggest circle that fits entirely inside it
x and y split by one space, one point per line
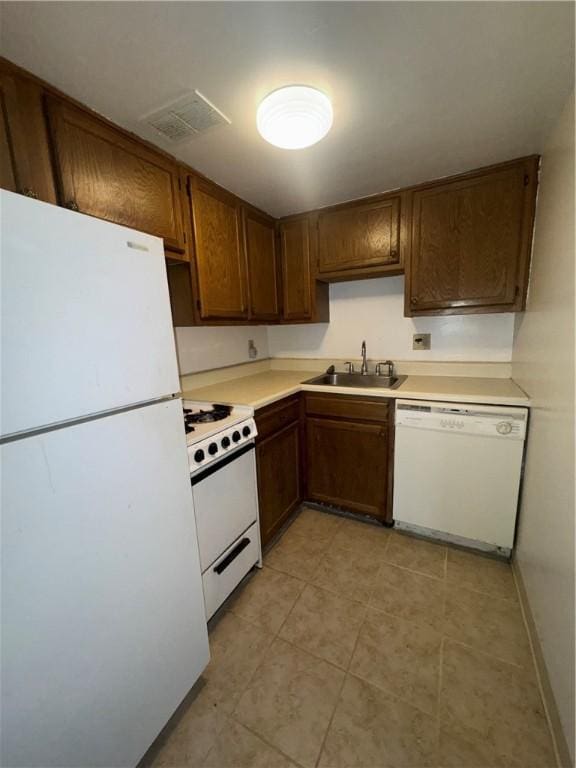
217 413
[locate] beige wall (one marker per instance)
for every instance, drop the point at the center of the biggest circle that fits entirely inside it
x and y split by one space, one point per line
374 310
543 365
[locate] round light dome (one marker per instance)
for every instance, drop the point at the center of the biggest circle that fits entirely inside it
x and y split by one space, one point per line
294 117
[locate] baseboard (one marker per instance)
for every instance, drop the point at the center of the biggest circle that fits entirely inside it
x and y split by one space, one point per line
560 744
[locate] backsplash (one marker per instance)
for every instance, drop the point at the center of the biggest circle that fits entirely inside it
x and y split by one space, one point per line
202 349
364 309
374 310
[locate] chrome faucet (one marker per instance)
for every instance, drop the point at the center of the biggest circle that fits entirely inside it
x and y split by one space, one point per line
364 368
390 365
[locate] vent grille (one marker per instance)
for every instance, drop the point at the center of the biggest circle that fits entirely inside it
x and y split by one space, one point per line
188 116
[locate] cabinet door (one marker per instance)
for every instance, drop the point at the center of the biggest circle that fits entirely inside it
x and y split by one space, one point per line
471 242
220 258
359 237
260 243
347 465
296 269
24 150
105 173
278 467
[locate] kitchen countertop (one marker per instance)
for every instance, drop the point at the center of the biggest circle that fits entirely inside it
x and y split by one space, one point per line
264 388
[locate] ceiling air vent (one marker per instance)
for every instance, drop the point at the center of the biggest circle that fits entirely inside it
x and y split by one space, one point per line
188 116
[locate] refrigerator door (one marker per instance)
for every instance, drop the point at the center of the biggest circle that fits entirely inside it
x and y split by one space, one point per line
104 628
85 313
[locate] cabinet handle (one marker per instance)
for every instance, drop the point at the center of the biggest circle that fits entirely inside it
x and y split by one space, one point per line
72 205
30 193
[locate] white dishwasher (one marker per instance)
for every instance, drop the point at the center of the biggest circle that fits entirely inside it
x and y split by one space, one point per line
457 471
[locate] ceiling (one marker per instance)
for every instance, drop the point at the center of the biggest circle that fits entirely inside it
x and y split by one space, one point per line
420 90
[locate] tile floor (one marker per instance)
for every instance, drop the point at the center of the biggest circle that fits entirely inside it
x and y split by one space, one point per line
359 646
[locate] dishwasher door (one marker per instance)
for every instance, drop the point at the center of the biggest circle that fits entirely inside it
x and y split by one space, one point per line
457 471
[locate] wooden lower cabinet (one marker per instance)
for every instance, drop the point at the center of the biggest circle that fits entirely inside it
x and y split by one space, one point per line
278 464
349 458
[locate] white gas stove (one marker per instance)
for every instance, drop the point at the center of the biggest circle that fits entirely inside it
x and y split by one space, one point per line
220 441
213 430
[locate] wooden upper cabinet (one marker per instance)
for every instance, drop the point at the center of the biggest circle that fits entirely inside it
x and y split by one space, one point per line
260 244
219 252
104 172
24 150
296 269
360 237
471 241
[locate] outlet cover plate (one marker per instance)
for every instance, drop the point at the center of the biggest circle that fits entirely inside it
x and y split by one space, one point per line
421 341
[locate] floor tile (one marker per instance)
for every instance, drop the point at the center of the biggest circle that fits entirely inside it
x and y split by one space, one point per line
481 573
410 596
366 539
195 734
418 555
296 555
290 701
467 749
347 573
316 524
487 623
400 657
324 624
237 747
372 729
498 701
267 598
237 647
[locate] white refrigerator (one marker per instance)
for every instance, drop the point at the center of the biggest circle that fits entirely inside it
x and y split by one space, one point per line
103 622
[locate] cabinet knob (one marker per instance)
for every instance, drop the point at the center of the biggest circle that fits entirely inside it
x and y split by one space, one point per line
30 193
72 205
394 253
413 300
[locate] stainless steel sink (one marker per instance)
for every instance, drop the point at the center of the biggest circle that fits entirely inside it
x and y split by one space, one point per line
365 381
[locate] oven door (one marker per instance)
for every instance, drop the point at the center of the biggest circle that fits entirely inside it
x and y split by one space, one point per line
225 502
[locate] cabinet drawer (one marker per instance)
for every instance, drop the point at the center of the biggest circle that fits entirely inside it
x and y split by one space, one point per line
347 407
276 416
223 576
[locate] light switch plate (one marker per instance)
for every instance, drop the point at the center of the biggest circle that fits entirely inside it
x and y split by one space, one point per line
421 341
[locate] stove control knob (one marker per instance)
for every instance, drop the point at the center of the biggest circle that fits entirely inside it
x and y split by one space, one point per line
225 442
504 427
212 449
199 456
236 436
246 431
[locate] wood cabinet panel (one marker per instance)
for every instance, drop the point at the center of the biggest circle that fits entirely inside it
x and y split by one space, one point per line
279 483
104 173
359 236
24 150
219 252
346 406
304 299
260 244
471 241
296 269
347 464
276 416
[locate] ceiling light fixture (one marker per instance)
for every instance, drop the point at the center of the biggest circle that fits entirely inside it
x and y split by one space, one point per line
294 117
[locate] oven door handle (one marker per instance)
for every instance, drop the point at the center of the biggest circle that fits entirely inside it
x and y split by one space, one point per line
231 556
230 457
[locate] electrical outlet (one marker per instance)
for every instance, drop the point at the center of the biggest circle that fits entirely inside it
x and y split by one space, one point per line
421 341
252 351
